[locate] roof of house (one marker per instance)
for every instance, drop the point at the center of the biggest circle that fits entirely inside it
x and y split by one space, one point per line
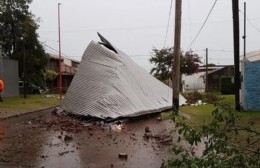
111 85
56 57
220 69
251 57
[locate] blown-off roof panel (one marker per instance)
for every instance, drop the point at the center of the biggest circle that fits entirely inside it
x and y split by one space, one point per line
110 85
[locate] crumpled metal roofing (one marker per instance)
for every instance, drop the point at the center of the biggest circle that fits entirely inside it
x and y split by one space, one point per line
111 85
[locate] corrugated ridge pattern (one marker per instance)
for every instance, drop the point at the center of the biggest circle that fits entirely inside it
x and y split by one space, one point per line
110 85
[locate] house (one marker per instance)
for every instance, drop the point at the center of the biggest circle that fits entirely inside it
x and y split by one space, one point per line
250 88
9 74
196 82
214 77
68 69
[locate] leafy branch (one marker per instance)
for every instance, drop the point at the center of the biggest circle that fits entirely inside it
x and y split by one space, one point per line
216 140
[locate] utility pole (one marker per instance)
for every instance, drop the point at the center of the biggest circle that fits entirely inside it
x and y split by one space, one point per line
60 77
244 37
24 71
206 75
1 64
235 6
176 60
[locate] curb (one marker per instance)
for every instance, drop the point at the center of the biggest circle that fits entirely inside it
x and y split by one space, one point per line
27 112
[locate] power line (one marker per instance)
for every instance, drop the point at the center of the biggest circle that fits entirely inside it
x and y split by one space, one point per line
49 39
112 28
220 50
203 23
54 51
168 24
64 55
189 18
256 28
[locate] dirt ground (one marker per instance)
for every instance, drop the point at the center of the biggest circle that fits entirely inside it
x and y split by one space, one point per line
43 139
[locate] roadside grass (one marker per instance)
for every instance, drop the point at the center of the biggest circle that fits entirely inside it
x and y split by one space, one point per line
198 115
31 103
202 114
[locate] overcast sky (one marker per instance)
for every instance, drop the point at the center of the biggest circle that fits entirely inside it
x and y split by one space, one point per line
137 26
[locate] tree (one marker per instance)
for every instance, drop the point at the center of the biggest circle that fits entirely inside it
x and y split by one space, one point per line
19 38
189 63
163 59
50 76
219 137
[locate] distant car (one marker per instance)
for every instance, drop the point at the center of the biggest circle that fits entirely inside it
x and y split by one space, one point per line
30 88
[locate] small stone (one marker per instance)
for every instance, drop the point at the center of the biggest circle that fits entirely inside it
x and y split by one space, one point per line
89 128
67 138
147 129
122 155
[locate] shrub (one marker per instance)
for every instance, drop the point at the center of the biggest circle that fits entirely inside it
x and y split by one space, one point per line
211 98
193 97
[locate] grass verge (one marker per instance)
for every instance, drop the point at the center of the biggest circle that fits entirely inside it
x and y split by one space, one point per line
19 105
198 115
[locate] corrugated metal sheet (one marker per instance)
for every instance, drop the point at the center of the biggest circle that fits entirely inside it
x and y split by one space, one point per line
251 56
111 85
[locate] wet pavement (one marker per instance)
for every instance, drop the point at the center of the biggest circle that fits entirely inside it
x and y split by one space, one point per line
43 139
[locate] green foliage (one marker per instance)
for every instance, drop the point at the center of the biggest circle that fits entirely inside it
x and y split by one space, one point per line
216 136
226 85
189 63
163 60
50 75
193 97
19 38
210 98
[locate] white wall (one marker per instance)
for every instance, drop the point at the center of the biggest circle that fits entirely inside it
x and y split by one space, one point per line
193 82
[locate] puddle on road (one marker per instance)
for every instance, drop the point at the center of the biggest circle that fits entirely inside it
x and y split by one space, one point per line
2 131
59 153
117 127
39 142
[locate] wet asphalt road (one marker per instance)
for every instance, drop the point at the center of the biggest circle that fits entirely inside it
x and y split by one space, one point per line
45 140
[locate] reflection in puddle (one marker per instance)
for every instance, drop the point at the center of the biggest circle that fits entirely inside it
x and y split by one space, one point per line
117 127
2 131
59 153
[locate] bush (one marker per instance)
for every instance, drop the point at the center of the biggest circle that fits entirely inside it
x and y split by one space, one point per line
211 98
193 97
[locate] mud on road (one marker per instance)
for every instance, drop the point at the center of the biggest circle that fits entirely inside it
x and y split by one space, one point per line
43 139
